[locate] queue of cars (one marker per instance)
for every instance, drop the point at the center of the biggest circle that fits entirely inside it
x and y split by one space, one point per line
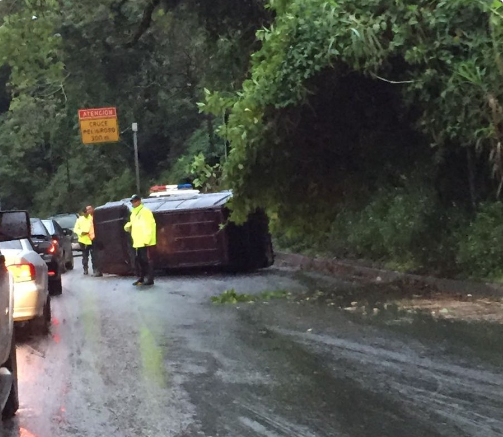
34 253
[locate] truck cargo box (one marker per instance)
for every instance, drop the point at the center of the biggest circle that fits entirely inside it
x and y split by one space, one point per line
190 234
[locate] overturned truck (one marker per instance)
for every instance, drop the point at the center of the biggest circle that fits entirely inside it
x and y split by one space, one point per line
192 232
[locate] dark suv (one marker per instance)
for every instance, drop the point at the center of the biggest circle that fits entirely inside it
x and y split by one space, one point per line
67 222
51 252
63 238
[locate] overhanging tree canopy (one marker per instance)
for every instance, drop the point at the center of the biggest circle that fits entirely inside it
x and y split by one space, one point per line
442 58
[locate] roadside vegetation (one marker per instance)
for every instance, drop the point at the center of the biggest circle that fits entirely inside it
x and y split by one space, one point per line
367 129
233 297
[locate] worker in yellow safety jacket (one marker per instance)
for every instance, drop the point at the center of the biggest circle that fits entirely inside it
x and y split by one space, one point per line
95 256
83 227
143 231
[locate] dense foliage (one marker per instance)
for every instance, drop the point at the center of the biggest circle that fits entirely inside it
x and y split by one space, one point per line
432 66
366 128
481 245
346 100
150 59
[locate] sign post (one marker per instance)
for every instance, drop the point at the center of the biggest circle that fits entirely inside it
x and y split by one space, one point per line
134 128
99 125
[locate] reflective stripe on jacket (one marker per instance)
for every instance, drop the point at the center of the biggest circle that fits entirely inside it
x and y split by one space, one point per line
83 225
142 227
92 234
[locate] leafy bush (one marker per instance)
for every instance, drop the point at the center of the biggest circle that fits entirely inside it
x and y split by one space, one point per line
404 228
206 177
480 251
392 228
232 297
305 244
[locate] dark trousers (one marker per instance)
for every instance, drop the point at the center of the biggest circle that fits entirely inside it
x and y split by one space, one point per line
86 251
144 264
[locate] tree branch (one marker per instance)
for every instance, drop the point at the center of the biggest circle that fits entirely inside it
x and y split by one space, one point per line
394 82
145 22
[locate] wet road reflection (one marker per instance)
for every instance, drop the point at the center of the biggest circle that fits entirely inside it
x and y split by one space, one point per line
122 361
20 432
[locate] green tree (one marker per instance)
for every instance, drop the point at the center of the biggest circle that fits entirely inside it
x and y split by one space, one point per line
435 66
150 59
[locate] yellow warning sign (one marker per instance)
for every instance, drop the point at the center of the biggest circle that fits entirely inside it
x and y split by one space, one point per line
99 125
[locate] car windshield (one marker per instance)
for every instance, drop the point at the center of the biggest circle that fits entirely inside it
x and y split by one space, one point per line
16 244
66 221
49 226
38 228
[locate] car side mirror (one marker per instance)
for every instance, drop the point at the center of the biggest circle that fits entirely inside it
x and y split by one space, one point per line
14 225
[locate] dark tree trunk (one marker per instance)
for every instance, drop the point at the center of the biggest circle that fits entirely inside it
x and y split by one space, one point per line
211 135
471 178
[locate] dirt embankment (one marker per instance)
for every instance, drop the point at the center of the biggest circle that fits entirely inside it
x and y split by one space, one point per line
371 291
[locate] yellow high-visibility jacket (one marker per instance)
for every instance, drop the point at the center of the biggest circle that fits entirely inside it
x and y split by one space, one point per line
82 229
142 227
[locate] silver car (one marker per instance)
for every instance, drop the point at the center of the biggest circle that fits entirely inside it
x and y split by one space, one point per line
14 225
29 271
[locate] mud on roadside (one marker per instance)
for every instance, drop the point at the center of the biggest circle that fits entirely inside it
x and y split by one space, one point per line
467 324
403 296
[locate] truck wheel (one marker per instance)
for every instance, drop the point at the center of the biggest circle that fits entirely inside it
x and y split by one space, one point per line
12 404
55 287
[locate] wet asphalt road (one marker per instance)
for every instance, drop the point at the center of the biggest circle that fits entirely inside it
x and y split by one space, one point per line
164 361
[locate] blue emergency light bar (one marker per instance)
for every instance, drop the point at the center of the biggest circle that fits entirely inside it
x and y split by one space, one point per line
185 187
